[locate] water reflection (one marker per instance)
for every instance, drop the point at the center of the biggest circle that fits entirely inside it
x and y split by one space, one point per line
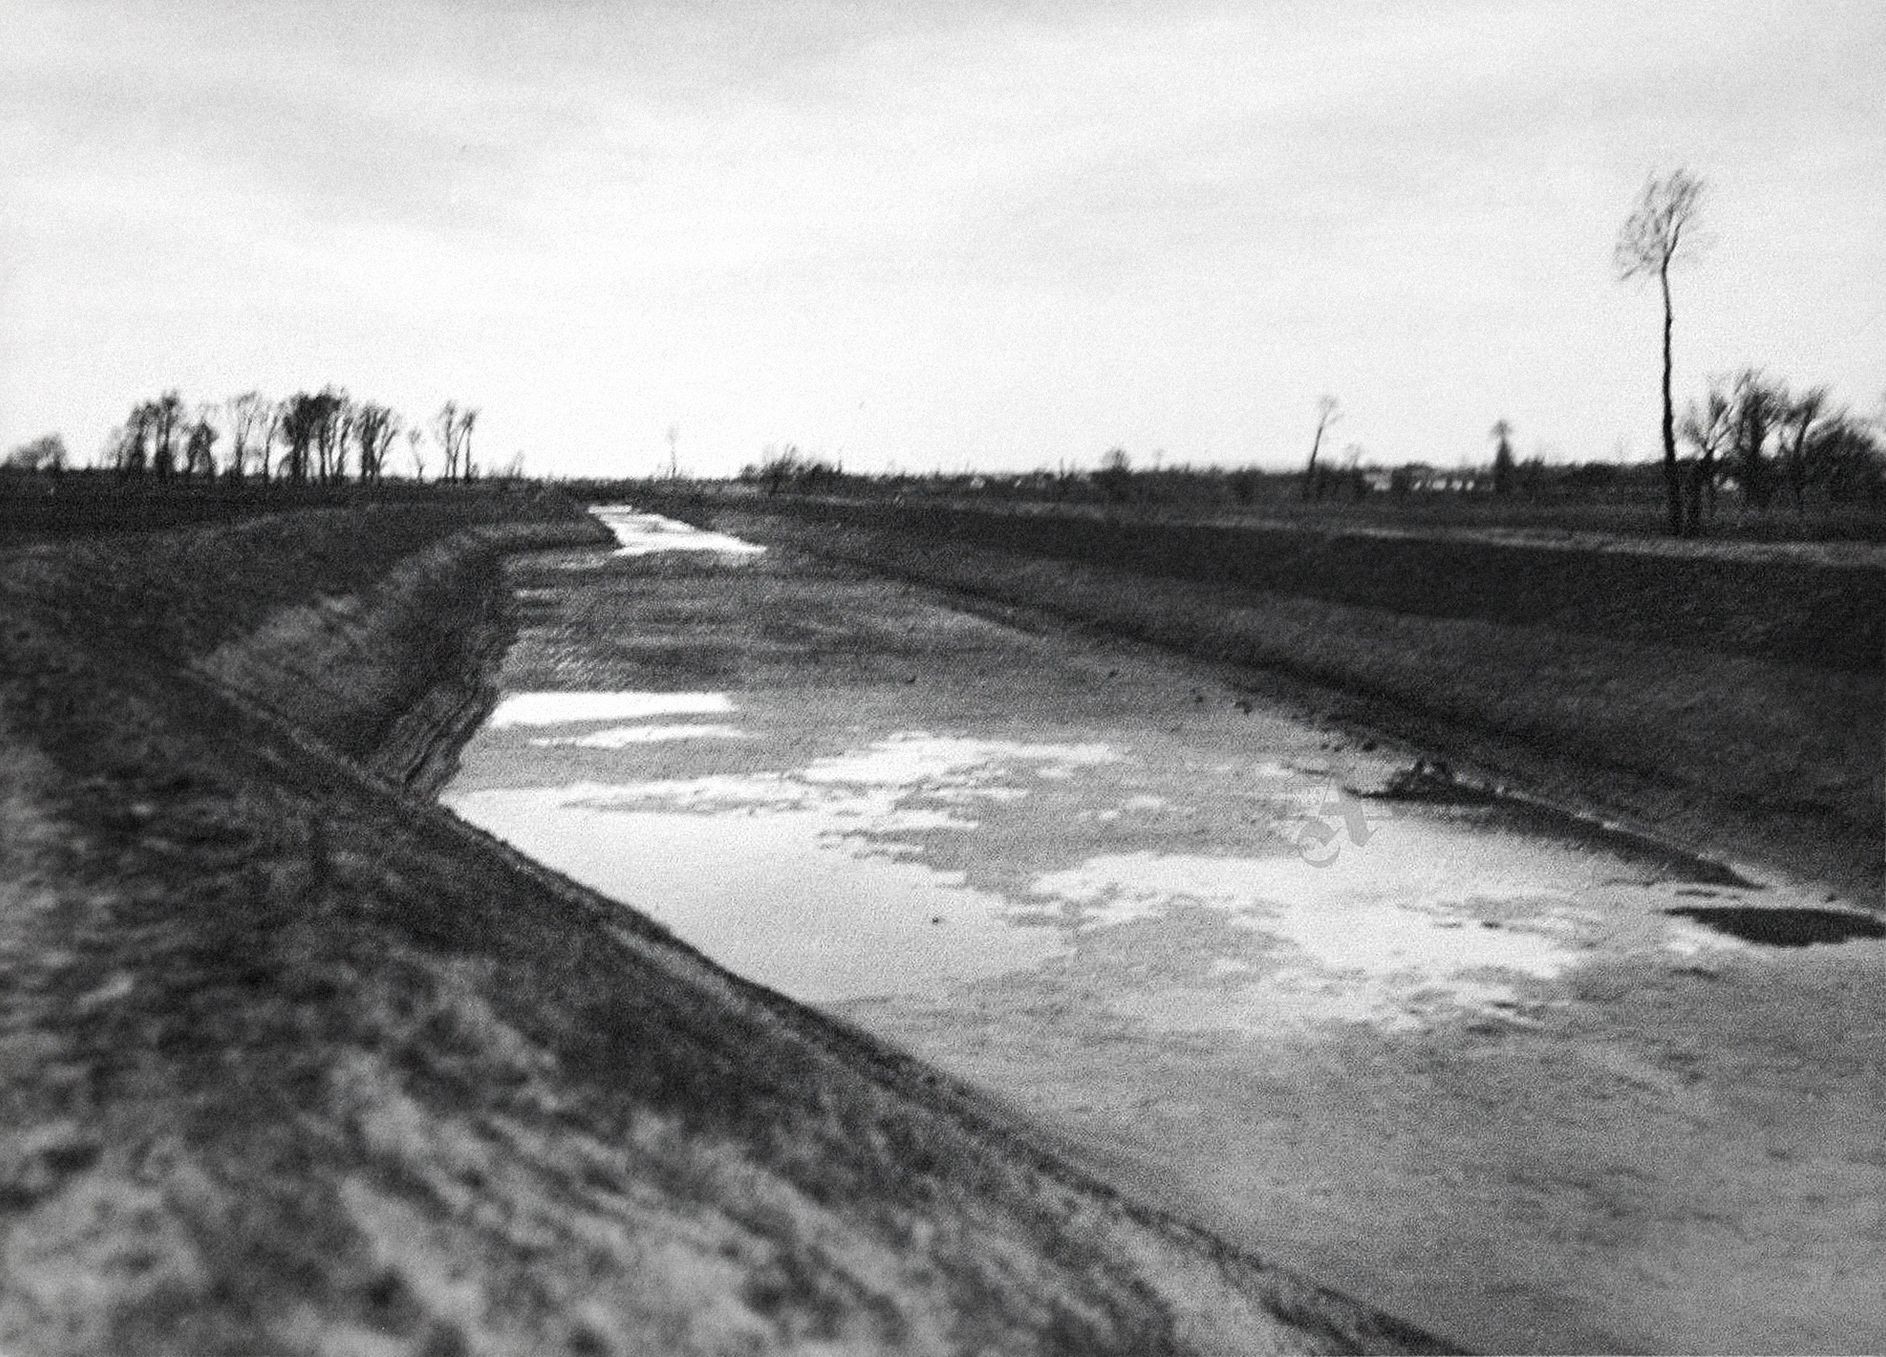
782 894
641 534
621 737
1431 917
556 709
920 860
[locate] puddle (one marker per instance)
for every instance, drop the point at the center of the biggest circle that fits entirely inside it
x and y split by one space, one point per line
1430 919
806 879
783 896
621 737
918 759
556 709
1783 927
908 783
1369 919
863 814
640 534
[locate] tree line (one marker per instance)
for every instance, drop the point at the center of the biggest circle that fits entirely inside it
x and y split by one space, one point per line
322 437
1749 427
1774 442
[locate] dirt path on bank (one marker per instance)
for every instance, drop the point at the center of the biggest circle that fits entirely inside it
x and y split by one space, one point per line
1459 1060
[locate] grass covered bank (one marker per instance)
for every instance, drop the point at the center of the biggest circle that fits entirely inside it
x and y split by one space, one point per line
300 1063
1742 719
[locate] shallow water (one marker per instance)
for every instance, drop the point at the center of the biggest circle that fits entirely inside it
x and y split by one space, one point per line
642 534
1504 1073
781 893
919 854
804 878
563 709
891 851
620 737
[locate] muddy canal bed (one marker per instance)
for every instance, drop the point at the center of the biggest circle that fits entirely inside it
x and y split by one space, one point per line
1525 1084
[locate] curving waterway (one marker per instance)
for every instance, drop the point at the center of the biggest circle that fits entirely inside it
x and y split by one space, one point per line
1523 1081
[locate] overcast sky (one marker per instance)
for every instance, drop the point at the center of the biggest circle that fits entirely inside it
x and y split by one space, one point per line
988 232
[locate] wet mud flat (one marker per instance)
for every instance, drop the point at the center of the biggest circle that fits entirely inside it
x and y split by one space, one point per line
1526 1084
1764 746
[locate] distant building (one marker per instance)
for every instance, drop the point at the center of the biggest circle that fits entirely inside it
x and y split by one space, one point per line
1420 478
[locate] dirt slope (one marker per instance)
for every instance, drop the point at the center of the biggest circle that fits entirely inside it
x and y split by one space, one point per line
296 1062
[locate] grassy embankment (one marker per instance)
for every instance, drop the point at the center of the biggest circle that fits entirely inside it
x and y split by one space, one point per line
42 507
297 1062
1730 696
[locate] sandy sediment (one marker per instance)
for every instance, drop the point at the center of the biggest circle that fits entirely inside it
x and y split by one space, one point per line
297 1062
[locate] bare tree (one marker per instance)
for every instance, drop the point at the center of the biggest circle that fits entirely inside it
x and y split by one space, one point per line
199 453
333 413
445 431
416 448
1760 403
166 413
1328 411
452 431
1707 428
1502 435
466 419
272 433
374 428
301 418
249 418
1656 235
131 454
1799 416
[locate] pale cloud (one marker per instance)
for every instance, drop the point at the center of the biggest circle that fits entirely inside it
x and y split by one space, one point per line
927 234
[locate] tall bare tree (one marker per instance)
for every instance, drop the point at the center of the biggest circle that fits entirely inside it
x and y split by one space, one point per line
131 455
301 419
199 450
1328 411
466 419
333 412
1799 416
249 418
273 431
1760 404
374 428
1707 427
416 447
445 431
166 414
1655 236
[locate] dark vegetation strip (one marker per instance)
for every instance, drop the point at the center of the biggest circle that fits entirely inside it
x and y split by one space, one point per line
184 592
75 504
1829 616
